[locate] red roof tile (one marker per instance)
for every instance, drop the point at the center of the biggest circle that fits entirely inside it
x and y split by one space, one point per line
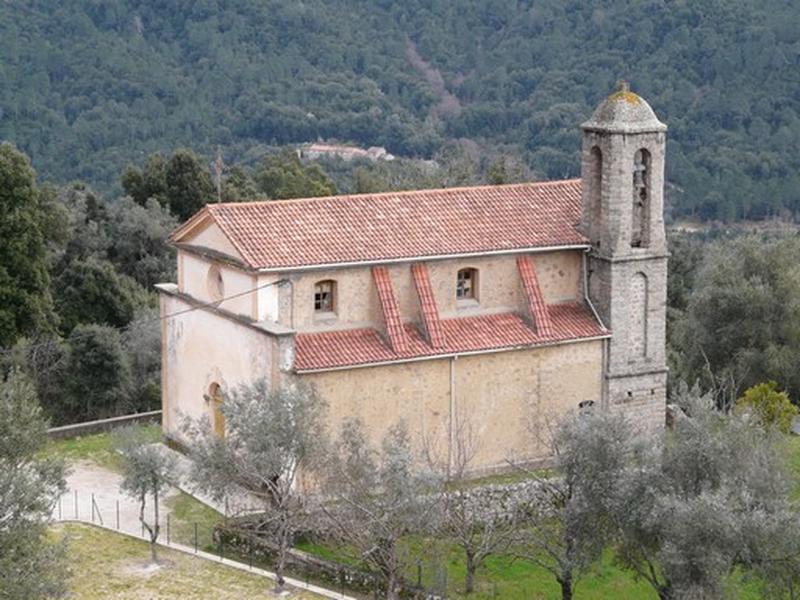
398 225
391 313
353 347
427 301
537 309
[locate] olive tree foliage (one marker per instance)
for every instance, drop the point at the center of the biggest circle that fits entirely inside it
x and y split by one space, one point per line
272 438
706 501
31 565
148 471
480 522
565 524
379 497
741 324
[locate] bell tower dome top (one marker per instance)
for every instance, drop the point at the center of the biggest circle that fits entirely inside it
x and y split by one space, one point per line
624 112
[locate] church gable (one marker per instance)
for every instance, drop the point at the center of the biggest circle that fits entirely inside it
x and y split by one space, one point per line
205 233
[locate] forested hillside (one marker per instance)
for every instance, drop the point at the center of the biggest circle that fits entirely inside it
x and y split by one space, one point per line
90 86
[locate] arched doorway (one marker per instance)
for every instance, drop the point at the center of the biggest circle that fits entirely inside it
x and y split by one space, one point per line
217 418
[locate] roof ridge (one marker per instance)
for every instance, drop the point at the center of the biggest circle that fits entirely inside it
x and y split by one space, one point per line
267 201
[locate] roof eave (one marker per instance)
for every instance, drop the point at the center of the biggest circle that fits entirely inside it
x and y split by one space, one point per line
412 259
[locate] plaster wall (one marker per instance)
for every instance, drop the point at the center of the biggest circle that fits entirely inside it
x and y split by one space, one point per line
200 348
194 281
499 290
212 237
505 398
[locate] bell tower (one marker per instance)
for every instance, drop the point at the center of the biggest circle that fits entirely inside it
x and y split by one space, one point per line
622 169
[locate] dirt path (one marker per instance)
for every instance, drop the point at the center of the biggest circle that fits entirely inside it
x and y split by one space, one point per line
88 482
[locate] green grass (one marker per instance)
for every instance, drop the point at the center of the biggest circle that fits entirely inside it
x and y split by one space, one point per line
97 448
186 512
110 565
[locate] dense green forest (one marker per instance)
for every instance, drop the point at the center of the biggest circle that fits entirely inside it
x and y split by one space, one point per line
89 87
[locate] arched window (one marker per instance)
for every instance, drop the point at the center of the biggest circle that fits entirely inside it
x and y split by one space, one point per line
217 417
596 196
640 225
325 296
216 286
467 284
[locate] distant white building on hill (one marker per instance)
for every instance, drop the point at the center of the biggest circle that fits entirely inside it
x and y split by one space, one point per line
320 150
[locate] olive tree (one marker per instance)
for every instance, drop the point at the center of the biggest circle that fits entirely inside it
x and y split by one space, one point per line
272 437
377 498
564 525
479 520
147 470
31 565
705 502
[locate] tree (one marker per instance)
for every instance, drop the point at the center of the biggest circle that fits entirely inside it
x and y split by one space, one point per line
97 376
771 407
273 439
138 235
564 526
25 302
379 498
141 344
188 184
31 565
147 470
92 291
150 182
479 520
704 502
283 176
43 360
742 322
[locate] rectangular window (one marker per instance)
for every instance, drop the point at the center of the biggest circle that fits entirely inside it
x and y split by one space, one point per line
465 284
323 296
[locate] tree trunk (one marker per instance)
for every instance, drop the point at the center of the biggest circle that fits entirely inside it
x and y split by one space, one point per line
469 582
280 563
155 531
566 586
391 586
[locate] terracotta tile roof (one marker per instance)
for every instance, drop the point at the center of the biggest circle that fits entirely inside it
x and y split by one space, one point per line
539 316
398 225
353 347
427 301
391 313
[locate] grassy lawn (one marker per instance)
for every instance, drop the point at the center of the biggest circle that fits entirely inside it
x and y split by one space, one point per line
110 565
186 512
97 448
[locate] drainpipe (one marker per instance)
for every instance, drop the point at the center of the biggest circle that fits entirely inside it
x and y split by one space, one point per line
452 424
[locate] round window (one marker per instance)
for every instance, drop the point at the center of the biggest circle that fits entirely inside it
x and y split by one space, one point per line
216 287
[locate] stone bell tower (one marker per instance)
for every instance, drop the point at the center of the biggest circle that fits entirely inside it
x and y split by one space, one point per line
622 169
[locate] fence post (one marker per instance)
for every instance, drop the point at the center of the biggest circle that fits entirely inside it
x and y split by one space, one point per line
195 537
76 505
92 500
117 515
59 507
167 529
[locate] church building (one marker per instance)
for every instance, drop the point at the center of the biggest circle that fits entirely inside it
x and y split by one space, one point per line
491 308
